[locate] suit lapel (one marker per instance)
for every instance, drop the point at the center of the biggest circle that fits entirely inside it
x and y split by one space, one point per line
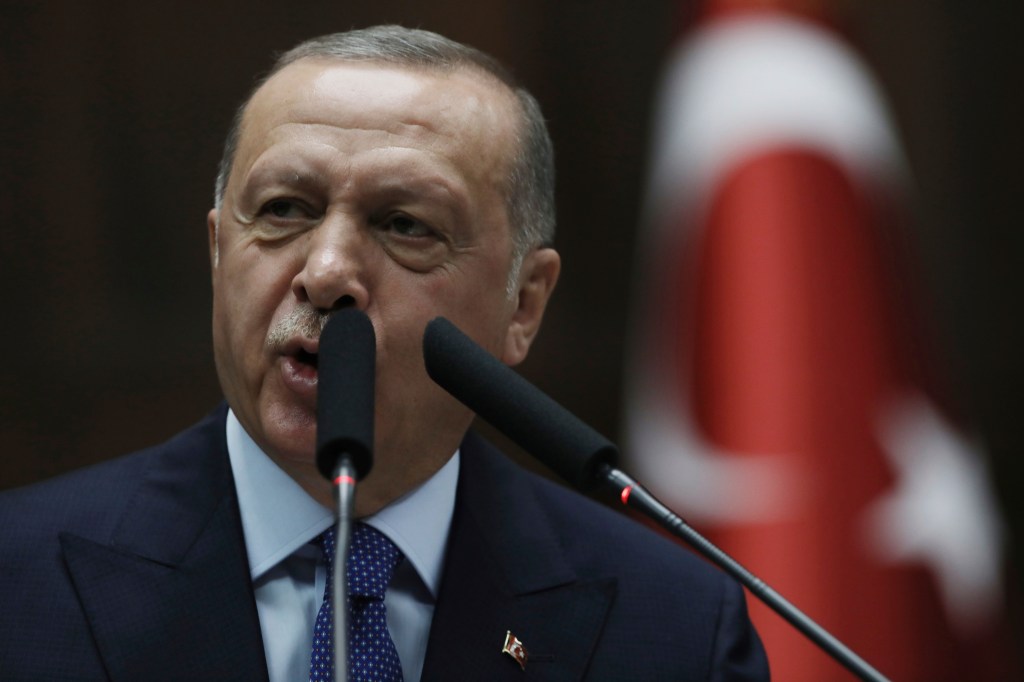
169 595
505 571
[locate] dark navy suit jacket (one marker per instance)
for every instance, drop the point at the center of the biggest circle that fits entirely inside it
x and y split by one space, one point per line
135 569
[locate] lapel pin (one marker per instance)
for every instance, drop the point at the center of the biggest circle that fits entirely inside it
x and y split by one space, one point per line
514 648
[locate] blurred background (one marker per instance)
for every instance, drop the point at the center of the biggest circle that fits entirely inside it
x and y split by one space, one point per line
111 128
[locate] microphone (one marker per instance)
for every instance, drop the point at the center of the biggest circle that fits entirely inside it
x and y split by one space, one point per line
583 457
514 406
346 367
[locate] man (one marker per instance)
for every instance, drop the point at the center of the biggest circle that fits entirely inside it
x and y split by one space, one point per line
404 175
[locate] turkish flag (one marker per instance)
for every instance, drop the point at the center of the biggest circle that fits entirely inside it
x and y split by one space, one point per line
781 395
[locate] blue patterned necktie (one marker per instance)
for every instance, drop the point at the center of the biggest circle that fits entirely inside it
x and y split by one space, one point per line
371 652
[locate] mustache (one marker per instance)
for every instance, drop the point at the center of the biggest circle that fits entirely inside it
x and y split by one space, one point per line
304 321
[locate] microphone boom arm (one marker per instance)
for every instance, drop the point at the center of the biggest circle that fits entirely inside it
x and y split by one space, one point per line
635 496
580 455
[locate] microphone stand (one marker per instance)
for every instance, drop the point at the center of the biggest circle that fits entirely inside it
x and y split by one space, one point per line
344 440
635 496
344 483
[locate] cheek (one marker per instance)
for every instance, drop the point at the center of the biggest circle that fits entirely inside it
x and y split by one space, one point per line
483 312
246 297
229 340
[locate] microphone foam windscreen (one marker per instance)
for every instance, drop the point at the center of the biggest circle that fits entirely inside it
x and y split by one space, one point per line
514 406
346 367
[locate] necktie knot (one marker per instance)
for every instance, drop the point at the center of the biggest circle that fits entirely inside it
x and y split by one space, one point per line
371 562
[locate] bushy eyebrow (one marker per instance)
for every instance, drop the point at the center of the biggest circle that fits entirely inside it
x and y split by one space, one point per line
288 176
432 187
389 175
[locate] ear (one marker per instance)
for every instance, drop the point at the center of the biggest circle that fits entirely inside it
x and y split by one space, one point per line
537 278
211 228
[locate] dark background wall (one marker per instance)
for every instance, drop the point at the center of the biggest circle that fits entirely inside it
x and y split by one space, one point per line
111 126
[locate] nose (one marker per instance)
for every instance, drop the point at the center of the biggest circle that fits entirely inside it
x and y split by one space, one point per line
335 271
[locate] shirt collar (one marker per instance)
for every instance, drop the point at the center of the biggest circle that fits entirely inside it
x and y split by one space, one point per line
418 522
278 517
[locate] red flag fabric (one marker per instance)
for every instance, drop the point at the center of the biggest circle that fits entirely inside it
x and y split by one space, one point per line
778 396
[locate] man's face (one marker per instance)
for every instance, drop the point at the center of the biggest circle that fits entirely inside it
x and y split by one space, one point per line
382 188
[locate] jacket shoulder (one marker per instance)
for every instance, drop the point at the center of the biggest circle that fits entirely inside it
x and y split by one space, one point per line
90 501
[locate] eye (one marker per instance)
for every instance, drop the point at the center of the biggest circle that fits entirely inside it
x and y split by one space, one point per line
411 242
284 208
407 226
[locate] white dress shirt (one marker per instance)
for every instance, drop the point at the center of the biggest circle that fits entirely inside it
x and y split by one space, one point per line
279 520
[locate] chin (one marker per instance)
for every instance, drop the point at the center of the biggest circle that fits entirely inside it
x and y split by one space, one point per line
290 435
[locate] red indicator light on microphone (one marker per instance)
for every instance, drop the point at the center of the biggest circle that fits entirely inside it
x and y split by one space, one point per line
624 495
347 480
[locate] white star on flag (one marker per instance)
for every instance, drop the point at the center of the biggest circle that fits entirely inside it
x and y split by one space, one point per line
940 513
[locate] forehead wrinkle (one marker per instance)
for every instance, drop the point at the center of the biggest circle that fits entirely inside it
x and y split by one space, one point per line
381 134
347 140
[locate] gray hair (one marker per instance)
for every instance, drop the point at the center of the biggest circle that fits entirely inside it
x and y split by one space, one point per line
530 188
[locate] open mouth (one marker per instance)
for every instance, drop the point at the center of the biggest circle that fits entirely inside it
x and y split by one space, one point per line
307 358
